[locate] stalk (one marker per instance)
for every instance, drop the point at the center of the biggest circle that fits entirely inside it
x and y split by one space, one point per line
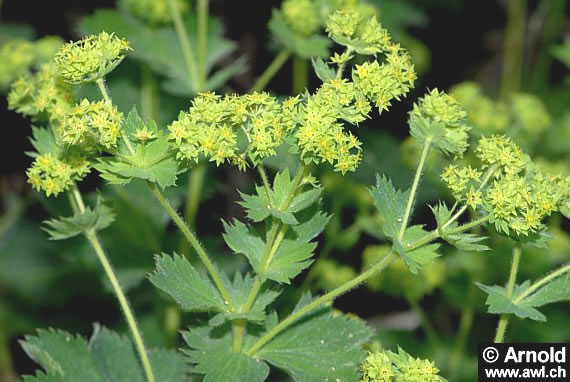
541 282
194 193
270 71
148 96
91 236
414 189
185 45
504 319
300 74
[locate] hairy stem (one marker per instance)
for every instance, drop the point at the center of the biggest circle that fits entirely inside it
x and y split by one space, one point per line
340 69
504 319
387 260
541 282
300 74
414 189
238 333
271 71
185 45
203 40
91 236
189 235
266 184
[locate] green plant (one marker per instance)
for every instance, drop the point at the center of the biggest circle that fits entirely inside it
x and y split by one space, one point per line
235 333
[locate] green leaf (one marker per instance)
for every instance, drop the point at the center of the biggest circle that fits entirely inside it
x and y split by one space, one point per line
555 291
322 70
62 354
322 346
191 290
391 204
467 242
291 258
239 292
151 162
114 356
44 142
259 208
107 357
424 255
441 213
246 241
65 227
212 355
305 47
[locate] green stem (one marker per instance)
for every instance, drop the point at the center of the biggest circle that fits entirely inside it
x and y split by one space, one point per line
266 184
185 45
340 69
6 363
514 47
300 74
194 242
387 260
271 71
541 282
414 189
203 40
171 323
238 333
194 193
91 236
465 324
504 319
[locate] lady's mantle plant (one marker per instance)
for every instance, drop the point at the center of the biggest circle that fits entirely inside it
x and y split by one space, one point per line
238 334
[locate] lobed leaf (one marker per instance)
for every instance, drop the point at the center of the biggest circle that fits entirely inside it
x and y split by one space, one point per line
191 290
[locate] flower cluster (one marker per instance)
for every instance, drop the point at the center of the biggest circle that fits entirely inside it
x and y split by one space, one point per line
521 194
387 366
302 16
321 136
19 56
387 81
53 175
441 119
153 11
41 92
358 30
211 127
91 58
91 122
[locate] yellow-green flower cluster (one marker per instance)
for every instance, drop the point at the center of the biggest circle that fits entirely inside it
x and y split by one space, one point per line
482 112
529 113
302 16
53 175
19 56
387 366
499 150
91 123
358 31
321 136
44 91
387 81
520 196
211 127
440 118
153 11
90 58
